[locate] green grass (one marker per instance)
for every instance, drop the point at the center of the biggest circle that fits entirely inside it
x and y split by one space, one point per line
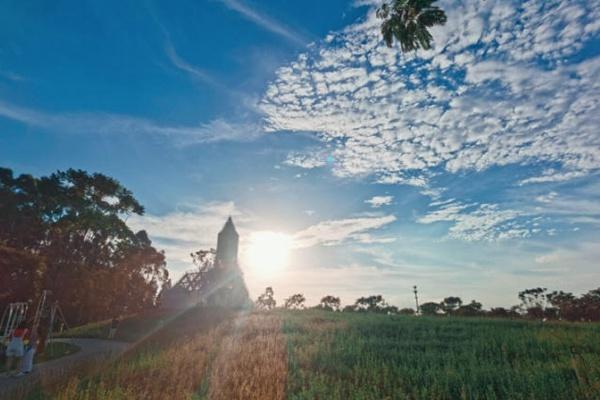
131 329
360 356
53 351
366 356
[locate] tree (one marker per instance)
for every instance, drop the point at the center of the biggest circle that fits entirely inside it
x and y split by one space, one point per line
408 22
266 301
430 308
533 302
564 303
371 304
451 304
22 275
472 309
73 222
589 306
501 312
295 302
330 303
406 311
204 259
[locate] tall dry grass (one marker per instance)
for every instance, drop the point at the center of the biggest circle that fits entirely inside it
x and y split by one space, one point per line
173 373
252 362
242 358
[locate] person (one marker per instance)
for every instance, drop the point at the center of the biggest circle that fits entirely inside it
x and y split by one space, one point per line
30 348
114 324
16 347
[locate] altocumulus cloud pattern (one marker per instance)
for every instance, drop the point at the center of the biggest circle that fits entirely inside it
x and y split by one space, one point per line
509 82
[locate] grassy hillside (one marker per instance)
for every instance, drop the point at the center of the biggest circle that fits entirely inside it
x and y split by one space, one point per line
131 328
321 355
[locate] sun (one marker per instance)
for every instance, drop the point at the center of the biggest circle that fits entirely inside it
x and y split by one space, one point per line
268 252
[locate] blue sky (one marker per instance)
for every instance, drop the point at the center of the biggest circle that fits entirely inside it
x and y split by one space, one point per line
468 170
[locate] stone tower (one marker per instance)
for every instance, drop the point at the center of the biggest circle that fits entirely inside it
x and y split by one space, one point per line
221 284
227 246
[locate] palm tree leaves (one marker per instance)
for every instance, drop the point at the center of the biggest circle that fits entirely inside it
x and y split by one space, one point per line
407 21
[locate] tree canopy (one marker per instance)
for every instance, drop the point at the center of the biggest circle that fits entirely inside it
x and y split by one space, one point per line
66 232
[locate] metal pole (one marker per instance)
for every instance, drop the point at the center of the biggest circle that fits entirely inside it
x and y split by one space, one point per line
416 299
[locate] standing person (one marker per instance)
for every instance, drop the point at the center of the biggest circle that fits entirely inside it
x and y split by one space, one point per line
114 324
30 348
16 347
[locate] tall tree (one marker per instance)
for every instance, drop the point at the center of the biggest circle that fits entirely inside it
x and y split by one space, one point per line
430 308
451 304
330 303
408 22
375 303
74 222
295 302
266 301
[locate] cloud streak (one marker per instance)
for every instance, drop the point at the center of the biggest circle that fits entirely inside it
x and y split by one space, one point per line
334 232
192 70
265 22
116 124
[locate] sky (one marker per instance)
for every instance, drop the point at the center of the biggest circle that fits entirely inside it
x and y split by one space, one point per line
468 170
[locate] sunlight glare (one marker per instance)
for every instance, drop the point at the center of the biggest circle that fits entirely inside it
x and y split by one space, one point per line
268 252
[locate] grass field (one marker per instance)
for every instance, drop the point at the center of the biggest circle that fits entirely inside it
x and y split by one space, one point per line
326 355
131 328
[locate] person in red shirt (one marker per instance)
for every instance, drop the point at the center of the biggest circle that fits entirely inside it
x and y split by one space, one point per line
16 347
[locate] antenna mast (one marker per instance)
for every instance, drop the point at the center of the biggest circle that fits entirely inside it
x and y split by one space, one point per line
416 299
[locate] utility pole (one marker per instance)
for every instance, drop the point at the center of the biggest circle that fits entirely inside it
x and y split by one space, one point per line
416 299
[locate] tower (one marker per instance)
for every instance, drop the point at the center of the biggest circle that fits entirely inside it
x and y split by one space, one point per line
227 246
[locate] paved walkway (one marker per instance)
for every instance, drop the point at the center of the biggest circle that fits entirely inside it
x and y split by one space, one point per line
91 350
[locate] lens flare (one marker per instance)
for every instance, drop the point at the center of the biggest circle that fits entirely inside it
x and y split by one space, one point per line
268 252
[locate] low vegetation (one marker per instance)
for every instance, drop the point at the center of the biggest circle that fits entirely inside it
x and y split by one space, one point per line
371 356
316 354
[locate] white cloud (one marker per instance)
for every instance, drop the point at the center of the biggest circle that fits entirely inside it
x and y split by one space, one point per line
333 232
185 230
546 198
474 222
498 89
306 160
378 201
552 175
265 22
116 124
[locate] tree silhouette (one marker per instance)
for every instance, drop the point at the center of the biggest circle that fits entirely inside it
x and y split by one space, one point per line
408 22
472 309
295 302
451 304
266 301
533 301
73 224
203 259
330 303
430 308
374 303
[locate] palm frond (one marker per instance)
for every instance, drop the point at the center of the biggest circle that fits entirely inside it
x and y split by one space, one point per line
406 21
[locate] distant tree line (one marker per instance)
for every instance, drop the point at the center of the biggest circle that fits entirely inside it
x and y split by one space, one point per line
67 233
536 303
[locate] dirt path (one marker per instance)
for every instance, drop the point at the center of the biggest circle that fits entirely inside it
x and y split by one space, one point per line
50 372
